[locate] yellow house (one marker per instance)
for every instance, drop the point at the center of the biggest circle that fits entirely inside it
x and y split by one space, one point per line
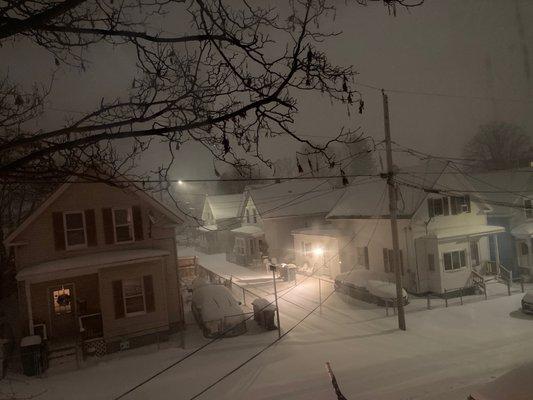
96 264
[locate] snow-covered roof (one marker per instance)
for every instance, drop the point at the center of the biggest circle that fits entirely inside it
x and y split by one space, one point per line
208 228
523 231
318 231
508 186
250 230
100 260
294 198
225 206
369 197
469 230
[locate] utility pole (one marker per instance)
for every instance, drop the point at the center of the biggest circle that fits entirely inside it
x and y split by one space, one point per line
393 214
273 269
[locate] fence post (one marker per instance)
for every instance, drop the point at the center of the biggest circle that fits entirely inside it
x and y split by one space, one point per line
446 297
428 302
522 283
508 288
485 290
461 294
243 296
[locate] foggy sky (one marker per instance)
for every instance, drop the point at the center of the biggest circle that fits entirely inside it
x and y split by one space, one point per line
443 46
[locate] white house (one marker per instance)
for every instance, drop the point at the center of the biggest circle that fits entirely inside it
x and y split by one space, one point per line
220 215
271 212
444 234
510 195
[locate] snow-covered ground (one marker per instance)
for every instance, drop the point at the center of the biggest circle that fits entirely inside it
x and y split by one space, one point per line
444 354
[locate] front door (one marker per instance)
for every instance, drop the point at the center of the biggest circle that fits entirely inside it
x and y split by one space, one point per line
62 303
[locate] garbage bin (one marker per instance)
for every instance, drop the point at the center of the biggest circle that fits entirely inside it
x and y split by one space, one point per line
264 313
31 352
291 272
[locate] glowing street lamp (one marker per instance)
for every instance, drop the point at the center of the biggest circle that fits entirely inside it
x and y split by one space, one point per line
318 251
180 182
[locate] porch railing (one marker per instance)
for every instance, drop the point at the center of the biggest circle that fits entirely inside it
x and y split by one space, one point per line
90 326
479 282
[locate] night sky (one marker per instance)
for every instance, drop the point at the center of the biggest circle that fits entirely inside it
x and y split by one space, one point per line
460 47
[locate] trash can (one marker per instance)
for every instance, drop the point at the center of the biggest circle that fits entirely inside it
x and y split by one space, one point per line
264 313
31 352
291 272
284 272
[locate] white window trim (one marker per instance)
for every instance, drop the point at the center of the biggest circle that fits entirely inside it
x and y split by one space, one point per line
130 212
136 313
76 246
455 269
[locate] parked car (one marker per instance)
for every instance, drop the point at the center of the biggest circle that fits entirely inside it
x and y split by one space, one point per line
216 311
513 385
527 303
366 286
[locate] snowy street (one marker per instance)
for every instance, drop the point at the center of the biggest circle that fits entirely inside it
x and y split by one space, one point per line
445 353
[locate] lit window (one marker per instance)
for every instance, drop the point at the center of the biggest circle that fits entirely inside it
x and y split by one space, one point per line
133 296
74 223
62 301
123 223
307 249
454 260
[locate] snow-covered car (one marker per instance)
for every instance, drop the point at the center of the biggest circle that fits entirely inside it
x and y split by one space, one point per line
216 311
366 286
515 384
527 303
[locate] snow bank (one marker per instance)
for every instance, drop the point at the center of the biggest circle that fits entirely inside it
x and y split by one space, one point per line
515 384
383 290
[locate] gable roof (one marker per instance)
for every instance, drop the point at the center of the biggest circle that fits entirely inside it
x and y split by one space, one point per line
369 197
504 186
71 180
225 205
294 198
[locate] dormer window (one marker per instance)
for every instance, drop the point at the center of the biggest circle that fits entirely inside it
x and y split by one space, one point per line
438 206
255 216
247 215
528 208
74 225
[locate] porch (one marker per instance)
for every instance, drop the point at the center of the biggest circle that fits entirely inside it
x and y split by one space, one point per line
75 304
523 235
248 247
453 259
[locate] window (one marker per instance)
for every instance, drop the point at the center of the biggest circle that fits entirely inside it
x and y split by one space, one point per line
454 260
362 257
307 249
474 253
460 204
74 223
62 301
255 215
528 208
438 207
239 246
252 246
524 249
388 260
133 296
431 262
247 216
123 223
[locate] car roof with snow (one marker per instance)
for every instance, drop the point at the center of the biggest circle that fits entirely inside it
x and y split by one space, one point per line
215 301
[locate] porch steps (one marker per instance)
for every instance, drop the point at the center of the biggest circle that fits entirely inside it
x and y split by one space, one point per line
62 356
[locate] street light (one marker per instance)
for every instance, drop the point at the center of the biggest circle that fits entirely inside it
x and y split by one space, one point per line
180 182
273 269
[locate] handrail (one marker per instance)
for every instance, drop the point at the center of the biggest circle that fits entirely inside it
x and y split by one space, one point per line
479 281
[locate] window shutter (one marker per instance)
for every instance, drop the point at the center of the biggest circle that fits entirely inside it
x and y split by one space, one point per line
137 223
445 206
118 299
367 262
149 293
59 231
90 227
108 226
431 209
